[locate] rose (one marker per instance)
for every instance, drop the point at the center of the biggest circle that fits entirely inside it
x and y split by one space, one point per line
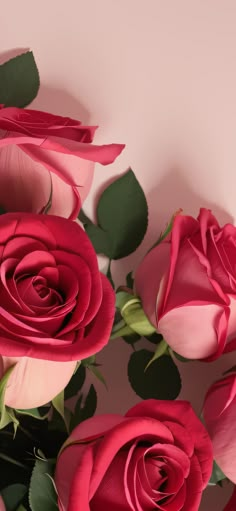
231 505
38 149
55 305
157 456
2 505
219 412
187 285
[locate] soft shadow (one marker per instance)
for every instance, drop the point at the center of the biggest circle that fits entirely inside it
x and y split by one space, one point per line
60 102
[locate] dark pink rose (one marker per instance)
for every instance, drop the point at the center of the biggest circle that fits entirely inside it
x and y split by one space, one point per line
37 149
157 456
55 306
219 413
187 285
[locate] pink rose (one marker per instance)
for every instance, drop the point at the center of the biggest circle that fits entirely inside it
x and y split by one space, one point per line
231 506
37 148
55 306
187 285
157 456
219 413
2 505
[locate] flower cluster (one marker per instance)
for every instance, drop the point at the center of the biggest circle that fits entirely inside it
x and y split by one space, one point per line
58 311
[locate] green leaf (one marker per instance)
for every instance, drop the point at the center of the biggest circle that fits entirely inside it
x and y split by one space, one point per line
217 475
179 357
122 213
161 349
160 381
122 216
6 418
89 360
122 297
36 413
76 383
98 374
99 239
19 81
13 495
58 403
135 317
132 338
154 338
21 508
42 494
84 412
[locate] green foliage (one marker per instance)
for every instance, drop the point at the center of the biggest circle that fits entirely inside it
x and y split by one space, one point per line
19 81
76 382
217 475
13 495
161 380
42 494
122 217
83 412
6 414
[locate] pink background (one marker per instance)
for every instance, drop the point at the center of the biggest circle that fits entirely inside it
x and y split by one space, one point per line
161 77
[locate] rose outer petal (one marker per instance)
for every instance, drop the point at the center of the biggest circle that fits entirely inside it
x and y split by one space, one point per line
34 382
195 331
2 505
148 278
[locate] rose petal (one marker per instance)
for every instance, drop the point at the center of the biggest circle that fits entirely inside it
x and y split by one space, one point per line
35 382
151 270
180 329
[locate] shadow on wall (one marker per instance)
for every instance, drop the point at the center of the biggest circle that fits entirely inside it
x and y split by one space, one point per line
53 100
60 102
165 198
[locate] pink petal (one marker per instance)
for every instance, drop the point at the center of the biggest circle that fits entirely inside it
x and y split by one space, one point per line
180 329
24 184
71 456
34 382
220 417
148 278
2 505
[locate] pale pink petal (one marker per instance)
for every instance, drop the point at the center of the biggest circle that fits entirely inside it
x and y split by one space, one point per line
194 331
148 278
24 183
34 382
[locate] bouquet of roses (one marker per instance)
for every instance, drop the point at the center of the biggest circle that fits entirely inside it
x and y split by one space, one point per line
58 310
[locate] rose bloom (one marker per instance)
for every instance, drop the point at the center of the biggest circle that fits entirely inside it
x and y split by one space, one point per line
219 412
187 285
55 306
2 505
231 506
37 150
157 456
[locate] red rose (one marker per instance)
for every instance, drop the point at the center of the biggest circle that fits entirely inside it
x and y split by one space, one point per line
187 285
37 148
158 456
55 305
